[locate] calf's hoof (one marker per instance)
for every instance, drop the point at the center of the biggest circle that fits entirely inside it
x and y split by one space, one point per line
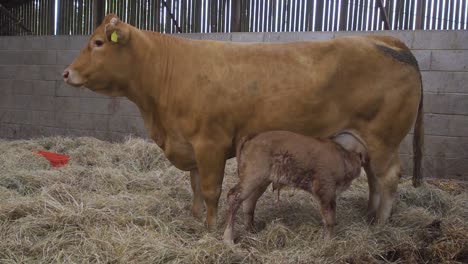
228 238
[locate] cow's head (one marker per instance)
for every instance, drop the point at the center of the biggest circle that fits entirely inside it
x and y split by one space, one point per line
103 64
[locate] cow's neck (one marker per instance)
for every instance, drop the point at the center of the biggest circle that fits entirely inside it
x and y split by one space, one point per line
149 87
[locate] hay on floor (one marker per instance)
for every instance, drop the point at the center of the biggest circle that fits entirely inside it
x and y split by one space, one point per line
124 203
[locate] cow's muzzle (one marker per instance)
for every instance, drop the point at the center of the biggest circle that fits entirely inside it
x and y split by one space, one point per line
72 78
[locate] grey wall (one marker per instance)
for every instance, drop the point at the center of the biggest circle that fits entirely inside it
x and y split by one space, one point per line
35 102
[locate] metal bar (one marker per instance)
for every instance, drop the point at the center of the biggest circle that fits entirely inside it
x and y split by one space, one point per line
343 15
383 14
439 22
235 17
318 16
420 14
7 13
463 15
449 15
406 15
452 20
365 18
171 15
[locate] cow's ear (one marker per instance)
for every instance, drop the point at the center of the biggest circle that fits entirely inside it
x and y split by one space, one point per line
117 31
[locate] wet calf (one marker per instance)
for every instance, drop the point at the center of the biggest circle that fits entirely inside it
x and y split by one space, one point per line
323 167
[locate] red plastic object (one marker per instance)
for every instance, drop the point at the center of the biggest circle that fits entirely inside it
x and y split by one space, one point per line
56 160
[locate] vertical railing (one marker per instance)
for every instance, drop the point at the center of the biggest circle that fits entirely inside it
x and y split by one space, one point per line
172 16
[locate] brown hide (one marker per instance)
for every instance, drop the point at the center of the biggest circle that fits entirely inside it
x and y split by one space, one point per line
198 97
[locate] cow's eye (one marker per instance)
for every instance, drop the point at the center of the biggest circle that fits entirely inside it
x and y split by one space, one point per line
98 43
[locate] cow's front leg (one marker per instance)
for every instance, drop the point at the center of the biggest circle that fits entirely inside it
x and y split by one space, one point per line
210 162
197 206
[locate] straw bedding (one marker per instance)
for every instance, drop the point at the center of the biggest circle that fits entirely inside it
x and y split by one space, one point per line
124 203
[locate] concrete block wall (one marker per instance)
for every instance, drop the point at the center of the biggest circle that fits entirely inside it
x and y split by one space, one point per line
35 102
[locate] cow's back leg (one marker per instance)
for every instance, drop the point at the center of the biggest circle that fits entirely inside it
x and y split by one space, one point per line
386 169
374 195
197 205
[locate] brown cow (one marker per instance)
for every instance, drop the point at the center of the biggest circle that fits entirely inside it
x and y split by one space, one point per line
198 97
324 168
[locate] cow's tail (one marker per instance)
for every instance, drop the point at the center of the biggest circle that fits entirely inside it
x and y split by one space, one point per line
418 142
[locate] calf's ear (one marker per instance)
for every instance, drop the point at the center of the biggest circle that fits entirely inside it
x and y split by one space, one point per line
117 31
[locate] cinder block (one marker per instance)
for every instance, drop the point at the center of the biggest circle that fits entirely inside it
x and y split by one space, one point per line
66 42
11 57
446 125
43 118
6 87
22 101
216 36
457 168
22 87
432 167
28 72
67 104
8 71
424 59
39 57
11 116
78 42
247 36
446 103
13 42
446 39
124 107
35 43
51 72
297 36
66 57
57 42
81 121
95 105
449 60
43 87
126 124
37 131
445 82
9 131
438 146
7 101
43 103
188 35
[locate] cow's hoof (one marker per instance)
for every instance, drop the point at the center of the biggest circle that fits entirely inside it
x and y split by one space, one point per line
197 214
210 228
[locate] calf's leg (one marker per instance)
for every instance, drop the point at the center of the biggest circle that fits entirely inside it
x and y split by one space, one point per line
327 211
248 206
233 201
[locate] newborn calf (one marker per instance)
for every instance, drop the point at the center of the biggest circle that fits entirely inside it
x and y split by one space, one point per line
323 167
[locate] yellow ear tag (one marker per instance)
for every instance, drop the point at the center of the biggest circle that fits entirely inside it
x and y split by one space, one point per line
114 37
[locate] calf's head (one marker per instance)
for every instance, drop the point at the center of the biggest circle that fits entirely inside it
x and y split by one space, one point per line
352 142
103 64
